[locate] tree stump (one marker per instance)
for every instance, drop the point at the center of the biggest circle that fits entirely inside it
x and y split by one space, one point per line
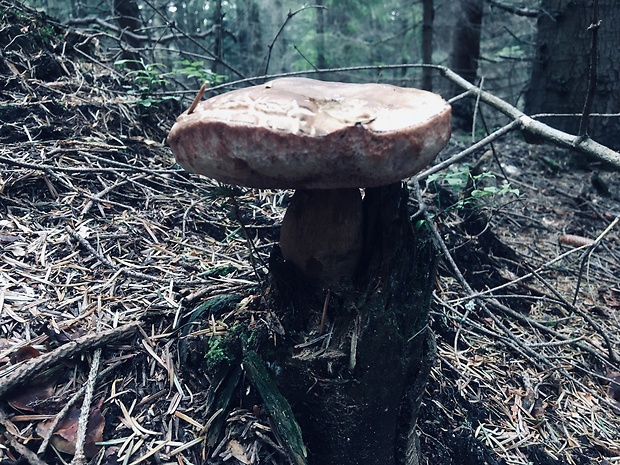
355 390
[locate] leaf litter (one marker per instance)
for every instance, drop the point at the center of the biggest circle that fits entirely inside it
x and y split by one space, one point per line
106 244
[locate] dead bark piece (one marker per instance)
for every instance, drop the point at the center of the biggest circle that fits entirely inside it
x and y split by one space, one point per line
277 406
575 241
534 128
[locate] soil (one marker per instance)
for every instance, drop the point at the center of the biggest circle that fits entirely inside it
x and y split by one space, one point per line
99 229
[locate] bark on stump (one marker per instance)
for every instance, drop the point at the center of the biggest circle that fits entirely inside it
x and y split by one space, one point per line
357 398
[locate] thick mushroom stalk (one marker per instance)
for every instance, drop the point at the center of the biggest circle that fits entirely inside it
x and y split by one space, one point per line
326 139
322 233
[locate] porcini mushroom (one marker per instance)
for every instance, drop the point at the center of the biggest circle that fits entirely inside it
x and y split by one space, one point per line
325 139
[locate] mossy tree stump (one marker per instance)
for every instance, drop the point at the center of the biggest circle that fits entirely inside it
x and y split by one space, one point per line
356 391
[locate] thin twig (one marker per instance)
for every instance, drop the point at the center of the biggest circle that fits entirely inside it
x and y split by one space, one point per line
252 252
476 109
289 16
124 270
97 197
550 331
197 99
590 249
79 457
592 71
324 313
520 278
469 150
573 309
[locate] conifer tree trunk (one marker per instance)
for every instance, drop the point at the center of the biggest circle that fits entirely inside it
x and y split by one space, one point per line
466 40
218 34
559 80
128 18
250 38
465 54
428 14
321 61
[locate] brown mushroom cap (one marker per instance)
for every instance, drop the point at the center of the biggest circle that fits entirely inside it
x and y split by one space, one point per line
303 133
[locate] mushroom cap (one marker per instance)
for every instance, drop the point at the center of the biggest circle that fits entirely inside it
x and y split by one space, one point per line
303 133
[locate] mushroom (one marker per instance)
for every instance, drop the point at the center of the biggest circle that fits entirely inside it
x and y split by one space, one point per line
324 139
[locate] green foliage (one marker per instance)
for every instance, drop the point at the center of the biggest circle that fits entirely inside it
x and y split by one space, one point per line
148 79
197 70
456 179
461 179
504 189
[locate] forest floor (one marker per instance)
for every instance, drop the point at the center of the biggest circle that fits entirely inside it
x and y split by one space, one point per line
115 261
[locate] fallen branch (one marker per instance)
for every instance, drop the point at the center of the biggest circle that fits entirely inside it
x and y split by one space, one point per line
31 368
520 11
526 123
529 125
469 150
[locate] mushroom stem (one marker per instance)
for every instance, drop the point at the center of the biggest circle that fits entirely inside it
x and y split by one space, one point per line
322 233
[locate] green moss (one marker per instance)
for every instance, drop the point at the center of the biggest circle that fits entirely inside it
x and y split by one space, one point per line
224 351
219 271
214 306
217 354
48 33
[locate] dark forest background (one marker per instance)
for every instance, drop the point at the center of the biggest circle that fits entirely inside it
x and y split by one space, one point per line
534 54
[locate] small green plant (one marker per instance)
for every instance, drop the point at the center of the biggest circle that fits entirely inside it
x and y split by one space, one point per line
460 179
504 189
197 70
148 78
454 178
48 33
